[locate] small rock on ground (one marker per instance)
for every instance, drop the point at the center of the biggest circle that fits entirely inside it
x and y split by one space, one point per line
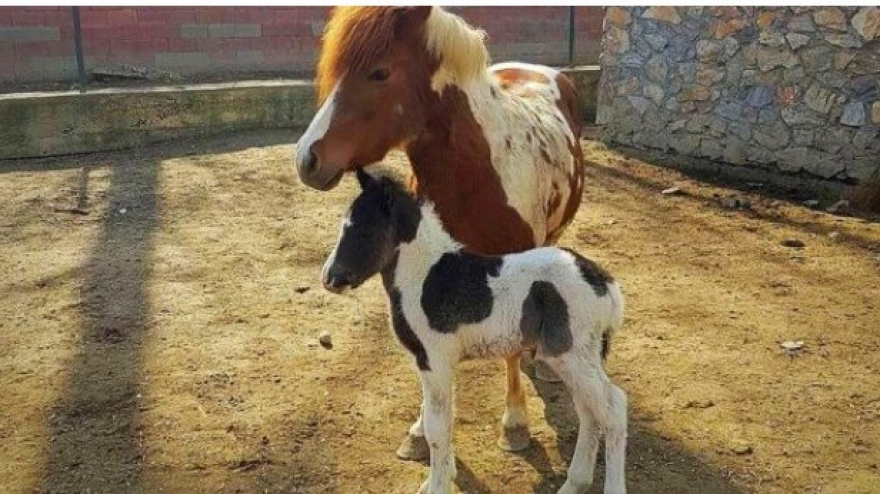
671 191
735 203
325 339
838 207
741 449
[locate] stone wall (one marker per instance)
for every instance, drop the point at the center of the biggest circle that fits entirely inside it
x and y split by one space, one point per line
789 89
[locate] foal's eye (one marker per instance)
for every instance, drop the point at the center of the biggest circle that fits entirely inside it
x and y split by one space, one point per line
379 75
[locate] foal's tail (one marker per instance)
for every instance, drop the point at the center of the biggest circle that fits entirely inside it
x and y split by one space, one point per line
616 319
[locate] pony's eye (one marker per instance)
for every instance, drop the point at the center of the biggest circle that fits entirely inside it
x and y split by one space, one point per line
379 75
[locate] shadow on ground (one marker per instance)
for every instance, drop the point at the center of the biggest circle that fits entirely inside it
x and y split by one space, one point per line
95 427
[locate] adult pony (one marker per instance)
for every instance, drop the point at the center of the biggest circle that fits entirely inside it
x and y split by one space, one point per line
496 149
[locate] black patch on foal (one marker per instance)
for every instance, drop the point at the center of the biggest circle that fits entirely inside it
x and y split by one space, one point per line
456 290
592 273
545 319
606 344
405 334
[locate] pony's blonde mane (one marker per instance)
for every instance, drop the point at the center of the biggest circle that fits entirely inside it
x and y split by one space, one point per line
460 48
355 37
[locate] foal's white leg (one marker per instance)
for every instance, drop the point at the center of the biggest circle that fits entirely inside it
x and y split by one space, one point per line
437 421
615 440
598 402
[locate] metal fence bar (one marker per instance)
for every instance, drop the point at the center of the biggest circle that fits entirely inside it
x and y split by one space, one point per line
77 39
571 36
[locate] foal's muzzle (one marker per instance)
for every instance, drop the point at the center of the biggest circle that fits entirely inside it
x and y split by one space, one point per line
336 283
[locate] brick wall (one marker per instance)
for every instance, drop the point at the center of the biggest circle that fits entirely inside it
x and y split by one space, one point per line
36 43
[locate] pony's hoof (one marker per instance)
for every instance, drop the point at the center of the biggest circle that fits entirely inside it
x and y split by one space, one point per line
414 448
545 373
514 438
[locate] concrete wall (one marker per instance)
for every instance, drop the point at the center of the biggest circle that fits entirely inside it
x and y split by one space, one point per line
36 43
43 124
794 90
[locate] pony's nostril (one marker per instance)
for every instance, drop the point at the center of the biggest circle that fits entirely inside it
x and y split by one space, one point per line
311 161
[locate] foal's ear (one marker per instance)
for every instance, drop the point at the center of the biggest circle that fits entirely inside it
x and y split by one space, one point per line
364 178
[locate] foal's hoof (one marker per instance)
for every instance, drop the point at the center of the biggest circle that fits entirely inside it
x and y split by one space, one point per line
414 448
514 438
545 373
570 487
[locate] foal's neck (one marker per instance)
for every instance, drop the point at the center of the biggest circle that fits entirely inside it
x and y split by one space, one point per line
413 260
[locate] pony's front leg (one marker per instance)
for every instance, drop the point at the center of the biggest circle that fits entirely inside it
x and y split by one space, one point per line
414 446
437 421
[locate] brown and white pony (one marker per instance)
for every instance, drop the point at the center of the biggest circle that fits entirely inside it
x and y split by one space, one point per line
496 149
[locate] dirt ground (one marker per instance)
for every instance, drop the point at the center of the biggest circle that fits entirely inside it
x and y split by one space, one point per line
160 310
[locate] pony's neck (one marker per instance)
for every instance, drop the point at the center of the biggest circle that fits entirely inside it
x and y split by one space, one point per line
415 258
451 138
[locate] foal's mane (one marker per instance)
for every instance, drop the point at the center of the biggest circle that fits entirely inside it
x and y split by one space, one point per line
356 37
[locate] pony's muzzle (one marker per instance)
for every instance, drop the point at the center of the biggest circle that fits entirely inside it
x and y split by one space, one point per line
313 173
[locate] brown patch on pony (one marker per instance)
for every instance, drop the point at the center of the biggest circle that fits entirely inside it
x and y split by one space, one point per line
357 37
514 77
569 105
544 154
570 108
453 165
555 200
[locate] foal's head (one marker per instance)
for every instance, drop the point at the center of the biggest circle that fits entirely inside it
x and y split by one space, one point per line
375 77
382 217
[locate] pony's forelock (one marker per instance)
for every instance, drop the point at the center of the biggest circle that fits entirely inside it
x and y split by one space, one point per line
355 37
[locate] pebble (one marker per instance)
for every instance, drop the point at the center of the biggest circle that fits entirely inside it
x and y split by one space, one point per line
735 203
792 347
325 339
671 191
811 203
742 449
834 235
838 207
699 404
792 242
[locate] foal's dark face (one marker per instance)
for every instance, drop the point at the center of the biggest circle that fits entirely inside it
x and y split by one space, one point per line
366 242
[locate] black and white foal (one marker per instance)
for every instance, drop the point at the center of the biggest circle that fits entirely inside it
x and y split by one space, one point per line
448 305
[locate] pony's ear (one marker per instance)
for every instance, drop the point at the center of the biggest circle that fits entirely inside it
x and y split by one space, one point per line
364 179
